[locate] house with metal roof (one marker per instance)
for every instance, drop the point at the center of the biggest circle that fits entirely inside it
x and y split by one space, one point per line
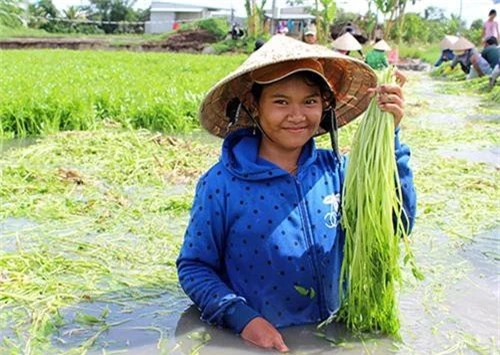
166 16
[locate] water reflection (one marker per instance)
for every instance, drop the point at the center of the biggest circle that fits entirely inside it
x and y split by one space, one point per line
487 156
455 309
170 324
7 144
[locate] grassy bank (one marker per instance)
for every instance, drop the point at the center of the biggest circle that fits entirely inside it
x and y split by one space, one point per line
427 52
23 32
45 91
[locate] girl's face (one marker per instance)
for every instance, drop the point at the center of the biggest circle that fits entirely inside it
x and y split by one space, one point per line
290 111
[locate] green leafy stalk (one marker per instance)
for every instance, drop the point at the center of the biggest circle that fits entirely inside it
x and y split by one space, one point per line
371 197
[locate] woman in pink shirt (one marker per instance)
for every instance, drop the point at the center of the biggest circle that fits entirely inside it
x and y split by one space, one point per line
490 27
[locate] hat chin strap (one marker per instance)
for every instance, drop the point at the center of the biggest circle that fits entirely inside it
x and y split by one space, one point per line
259 126
330 124
233 112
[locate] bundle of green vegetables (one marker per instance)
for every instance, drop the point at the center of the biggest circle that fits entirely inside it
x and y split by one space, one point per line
371 198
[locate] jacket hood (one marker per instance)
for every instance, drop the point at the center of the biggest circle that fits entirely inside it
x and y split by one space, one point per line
240 156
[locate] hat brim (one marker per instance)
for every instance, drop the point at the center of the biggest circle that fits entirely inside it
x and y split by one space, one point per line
348 77
347 42
276 72
382 46
462 44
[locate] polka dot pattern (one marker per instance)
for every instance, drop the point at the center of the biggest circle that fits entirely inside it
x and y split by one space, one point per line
263 237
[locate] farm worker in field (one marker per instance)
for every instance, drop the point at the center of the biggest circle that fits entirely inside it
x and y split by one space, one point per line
446 51
377 58
490 27
310 34
491 52
494 75
265 220
470 60
346 43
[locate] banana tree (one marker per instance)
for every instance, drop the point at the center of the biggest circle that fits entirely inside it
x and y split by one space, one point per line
395 9
324 10
255 16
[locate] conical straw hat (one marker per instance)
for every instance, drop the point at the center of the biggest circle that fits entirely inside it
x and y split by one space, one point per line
462 44
348 77
448 41
382 46
347 42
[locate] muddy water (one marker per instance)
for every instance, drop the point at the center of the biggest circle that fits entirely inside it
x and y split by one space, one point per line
6 144
454 309
474 154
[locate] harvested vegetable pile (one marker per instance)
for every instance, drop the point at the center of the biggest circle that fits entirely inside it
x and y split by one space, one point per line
371 198
446 71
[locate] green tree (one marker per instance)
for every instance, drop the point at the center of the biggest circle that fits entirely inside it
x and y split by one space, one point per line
111 10
255 17
143 15
43 8
416 29
72 13
454 25
477 24
324 10
394 10
475 31
328 9
11 13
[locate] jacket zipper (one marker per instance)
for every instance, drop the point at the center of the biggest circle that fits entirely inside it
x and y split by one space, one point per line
309 242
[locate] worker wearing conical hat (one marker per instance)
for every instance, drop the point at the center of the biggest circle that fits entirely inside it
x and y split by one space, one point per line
470 60
346 43
264 245
377 58
446 51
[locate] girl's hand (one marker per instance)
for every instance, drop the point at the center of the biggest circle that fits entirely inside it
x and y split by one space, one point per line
400 78
263 334
390 99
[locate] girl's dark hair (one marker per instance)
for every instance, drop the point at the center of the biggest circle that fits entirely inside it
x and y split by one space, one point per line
310 78
492 12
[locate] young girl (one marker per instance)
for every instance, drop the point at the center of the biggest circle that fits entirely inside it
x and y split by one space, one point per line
490 27
265 221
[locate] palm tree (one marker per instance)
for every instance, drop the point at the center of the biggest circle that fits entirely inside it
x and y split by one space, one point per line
73 13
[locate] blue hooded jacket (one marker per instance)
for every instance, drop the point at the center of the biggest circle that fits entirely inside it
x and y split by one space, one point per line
263 242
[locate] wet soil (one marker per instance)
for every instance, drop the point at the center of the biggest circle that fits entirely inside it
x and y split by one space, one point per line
182 41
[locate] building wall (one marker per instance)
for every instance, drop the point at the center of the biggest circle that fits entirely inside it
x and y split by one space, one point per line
160 22
187 16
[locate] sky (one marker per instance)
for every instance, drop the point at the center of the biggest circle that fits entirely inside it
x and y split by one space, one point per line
470 9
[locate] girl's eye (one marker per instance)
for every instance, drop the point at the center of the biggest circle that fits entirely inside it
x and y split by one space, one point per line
280 102
311 101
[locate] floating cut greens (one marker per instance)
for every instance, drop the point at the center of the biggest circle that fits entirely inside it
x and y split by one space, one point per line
371 199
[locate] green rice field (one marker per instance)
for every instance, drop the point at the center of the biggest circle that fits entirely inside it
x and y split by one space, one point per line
96 186
46 91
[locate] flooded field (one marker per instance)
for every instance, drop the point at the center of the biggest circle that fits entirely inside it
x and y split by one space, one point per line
91 223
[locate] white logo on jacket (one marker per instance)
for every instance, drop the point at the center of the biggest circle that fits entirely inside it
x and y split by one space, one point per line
331 217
